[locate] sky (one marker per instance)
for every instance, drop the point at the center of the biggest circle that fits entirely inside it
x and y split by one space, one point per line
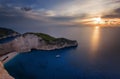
25 14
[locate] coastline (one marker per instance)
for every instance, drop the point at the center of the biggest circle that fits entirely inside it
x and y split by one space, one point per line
3 73
4 59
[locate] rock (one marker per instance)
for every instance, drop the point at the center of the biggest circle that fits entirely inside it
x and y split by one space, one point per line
39 41
5 32
26 42
3 73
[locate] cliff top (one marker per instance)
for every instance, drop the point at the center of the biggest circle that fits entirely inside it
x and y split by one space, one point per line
45 37
6 32
7 35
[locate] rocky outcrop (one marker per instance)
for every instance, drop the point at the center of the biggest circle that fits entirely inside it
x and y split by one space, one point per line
3 73
5 32
28 41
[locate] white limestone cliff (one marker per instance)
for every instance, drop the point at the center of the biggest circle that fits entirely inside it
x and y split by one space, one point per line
25 43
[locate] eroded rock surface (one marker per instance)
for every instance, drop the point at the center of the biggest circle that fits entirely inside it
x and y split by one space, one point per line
28 41
3 73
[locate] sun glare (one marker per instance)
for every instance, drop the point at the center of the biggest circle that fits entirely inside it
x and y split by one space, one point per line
97 27
101 22
97 20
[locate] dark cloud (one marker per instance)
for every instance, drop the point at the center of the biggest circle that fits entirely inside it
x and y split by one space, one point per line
117 1
12 17
26 8
62 18
113 14
8 12
36 4
20 20
117 10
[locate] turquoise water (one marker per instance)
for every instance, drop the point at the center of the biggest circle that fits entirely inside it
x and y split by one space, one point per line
96 57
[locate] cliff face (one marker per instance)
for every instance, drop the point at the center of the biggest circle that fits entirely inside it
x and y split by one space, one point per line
28 41
3 73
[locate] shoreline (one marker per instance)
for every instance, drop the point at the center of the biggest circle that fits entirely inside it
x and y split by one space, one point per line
4 59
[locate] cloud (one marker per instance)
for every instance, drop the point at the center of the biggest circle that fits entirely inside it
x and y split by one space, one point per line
35 14
15 18
117 1
8 11
62 18
113 14
67 18
117 10
26 8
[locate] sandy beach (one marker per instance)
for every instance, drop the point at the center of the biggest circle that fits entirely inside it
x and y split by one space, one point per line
8 57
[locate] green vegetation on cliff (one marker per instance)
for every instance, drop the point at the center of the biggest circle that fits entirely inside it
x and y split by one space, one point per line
6 32
45 37
51 40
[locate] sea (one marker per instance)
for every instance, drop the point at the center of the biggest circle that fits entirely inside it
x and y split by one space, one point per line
96 57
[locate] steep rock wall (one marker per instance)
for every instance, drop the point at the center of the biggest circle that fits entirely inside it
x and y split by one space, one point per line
27 42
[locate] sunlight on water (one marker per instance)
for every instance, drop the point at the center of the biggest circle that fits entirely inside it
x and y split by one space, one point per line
95 39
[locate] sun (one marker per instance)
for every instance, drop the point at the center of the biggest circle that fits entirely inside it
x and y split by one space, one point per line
97 20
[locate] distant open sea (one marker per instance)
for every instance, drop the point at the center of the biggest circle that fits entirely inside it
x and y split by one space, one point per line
96 57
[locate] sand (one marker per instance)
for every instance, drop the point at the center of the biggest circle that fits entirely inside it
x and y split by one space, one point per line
8 57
